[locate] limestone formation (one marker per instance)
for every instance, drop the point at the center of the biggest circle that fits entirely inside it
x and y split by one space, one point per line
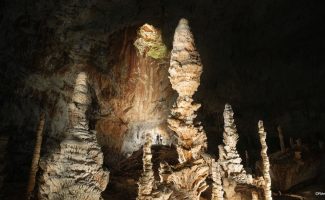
229 158
266 162
36 157
149 42
74 170
187 179
185 71
217 189
147 179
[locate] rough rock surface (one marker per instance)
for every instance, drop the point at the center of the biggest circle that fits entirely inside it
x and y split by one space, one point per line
185 71
187 180
146 181
266 162
229 158
74 170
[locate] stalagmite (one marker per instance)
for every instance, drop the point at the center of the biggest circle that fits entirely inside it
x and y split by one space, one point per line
36 157
187 179
217 190
185 71
229 158
74 170
265 161
146 181
282 145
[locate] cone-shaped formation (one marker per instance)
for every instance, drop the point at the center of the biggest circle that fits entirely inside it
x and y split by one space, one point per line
229 158
266 162
75 170
217 190
146 181
185 71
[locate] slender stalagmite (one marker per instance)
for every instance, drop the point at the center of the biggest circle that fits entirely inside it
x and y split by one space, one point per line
266 162
146 181
229 158
217 190
282 145
36 157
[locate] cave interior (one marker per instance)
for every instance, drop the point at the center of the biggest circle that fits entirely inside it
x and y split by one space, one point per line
168 100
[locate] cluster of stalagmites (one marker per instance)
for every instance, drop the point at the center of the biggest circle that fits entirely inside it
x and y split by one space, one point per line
187 180
74 170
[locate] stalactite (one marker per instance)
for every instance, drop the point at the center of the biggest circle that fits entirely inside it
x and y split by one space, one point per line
266 162
229 158
146 181
282 145
36 157
217 190
74 170
185 71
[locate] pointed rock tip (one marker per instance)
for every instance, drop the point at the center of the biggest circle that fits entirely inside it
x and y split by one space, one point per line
183 21
260 124
228 106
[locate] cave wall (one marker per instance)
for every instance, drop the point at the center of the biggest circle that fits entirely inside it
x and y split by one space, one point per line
264 57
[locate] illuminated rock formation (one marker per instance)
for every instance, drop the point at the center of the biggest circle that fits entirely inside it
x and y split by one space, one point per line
265 161
217 189
74 170
185 71
186 180
146 181
149 42
229 158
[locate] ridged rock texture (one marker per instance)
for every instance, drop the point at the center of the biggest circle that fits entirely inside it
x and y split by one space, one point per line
217 189
186 180
147 179
185 71
229 158
74 170
266 162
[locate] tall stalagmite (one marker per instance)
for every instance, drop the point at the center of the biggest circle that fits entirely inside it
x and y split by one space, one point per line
146 181
229 158
185 71
186 180
74 170
265 161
